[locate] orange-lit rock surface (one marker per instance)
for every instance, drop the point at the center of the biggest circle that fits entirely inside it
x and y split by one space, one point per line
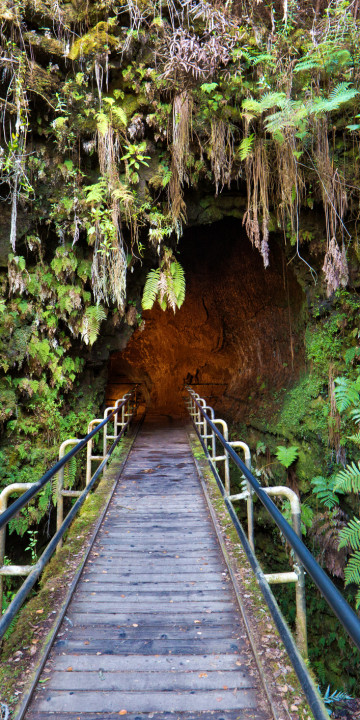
234 336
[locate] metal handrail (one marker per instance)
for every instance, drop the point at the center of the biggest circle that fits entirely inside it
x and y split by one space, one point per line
29 494
332 595
7 515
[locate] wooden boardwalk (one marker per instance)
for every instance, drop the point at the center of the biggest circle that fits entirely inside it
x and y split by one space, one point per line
153 630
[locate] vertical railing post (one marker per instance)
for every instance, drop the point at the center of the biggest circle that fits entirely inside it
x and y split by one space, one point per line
60 487
301 628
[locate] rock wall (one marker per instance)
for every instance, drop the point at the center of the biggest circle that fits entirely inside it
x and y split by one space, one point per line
234 336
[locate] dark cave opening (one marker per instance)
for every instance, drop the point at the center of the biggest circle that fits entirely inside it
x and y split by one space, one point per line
236 336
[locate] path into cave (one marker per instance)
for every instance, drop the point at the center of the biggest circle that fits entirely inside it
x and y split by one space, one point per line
234 336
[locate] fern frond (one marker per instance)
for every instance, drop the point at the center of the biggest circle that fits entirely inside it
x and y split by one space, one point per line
150 289
348 480
291 115
102 123
119 114
352 570
287 455
341 94
91 322
324 491
179 284
355 414
307 64
245 147
355 438
350 535
97 192
346 393
268 101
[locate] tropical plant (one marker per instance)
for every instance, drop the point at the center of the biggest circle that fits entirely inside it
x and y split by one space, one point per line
287 455
91 321
323 488
165 284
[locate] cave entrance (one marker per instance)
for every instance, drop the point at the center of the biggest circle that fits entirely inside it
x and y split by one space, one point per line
233 339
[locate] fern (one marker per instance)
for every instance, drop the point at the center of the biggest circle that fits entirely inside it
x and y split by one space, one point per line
348 480
245 147
178 275
355 414
91 322
352 570
341 94
287 456
268 101
346 393
355 438
150 289
97 192
167 285
350 535
307 63
324 491
119 114
102 123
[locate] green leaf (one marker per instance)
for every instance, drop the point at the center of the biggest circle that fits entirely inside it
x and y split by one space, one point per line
150 289
348 480
287 456
245 147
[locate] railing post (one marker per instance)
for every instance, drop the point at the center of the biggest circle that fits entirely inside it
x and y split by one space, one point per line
301 630
60 487
17 488
249 500
225 457
89 445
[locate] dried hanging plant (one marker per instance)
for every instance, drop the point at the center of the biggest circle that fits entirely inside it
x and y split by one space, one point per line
109 260
334 200
181 132
289 184
181 135
257 180
335 267
221 153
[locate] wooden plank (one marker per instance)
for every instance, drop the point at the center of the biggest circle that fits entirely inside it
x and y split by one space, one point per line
243 714
104 702
153 626
148 681
115 646
200 619
109 631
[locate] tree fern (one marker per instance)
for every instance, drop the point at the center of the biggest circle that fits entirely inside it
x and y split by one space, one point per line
91 322
348 480
351 535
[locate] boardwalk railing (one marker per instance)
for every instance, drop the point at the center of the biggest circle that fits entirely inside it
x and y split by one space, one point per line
207 430
125 408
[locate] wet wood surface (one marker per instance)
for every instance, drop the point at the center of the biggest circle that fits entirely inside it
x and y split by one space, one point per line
153 631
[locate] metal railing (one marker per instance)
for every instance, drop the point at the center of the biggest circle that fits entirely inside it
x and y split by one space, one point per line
126 406
207 429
